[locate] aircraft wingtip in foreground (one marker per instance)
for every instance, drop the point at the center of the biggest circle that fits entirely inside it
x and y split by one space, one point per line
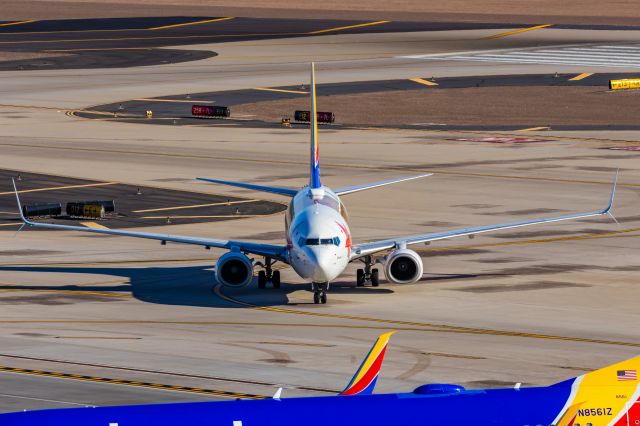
319 245
609 396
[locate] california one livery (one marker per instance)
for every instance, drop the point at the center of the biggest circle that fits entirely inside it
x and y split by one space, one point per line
606 397
319 243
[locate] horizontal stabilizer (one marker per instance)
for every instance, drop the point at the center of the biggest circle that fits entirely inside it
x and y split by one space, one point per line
273 189
364 187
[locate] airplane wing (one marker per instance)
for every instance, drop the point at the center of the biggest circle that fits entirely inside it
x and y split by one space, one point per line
364 187
273 251
366 249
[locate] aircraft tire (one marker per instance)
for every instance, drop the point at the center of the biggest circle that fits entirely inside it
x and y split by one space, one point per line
262 279
375 277
360 278
275 279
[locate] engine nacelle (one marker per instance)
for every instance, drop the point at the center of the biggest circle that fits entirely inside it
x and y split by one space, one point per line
403 266
234 270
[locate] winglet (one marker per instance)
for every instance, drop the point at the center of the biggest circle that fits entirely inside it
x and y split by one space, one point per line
364 381
15 188
609 207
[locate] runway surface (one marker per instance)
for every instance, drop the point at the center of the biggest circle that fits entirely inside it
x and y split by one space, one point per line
177 109
99 320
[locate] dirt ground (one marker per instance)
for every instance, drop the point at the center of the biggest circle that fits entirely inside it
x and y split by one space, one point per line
16 56
539 106
620 12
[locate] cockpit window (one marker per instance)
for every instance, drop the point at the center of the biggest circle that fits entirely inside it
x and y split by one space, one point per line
320 241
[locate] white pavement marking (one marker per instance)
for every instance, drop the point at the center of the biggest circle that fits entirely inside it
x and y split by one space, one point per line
601 55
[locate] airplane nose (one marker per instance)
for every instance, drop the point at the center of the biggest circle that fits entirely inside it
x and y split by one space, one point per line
325 264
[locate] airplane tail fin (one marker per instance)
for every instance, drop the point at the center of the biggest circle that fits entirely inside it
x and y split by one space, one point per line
364 381
314 178
611 393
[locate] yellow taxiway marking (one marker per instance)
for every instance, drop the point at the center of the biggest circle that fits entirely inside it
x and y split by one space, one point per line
168 37
533 129
173 100
16 23
267 89
190 23
17 288
99 50
348 27
11 224
423 81
581 76
6 369
410 326
228 216
93 225
522 30
194 206
443 328
56 188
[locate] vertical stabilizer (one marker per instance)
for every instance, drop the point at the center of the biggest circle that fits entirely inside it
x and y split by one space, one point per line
314 179
610 396
364 381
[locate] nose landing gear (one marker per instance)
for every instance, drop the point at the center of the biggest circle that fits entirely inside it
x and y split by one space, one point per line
368 273
268 274
319 292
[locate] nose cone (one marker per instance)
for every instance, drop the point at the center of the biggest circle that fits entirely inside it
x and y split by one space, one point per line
326 266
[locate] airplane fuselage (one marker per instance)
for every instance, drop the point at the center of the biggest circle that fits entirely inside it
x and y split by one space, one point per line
318 235
496 407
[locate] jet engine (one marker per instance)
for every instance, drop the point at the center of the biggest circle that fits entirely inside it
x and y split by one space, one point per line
403 266
234 270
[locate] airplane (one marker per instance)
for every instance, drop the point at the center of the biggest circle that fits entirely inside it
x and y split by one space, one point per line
609 396
319 245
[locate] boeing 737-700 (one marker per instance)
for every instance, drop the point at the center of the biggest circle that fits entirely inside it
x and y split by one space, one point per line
319 245
605 397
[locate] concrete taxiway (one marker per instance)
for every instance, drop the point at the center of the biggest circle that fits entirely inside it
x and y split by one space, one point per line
94 320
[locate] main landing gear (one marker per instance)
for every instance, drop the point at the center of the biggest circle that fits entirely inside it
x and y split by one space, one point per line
320 292
268 274
368 273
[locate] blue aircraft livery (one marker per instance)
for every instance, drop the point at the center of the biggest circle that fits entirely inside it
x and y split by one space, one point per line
608 396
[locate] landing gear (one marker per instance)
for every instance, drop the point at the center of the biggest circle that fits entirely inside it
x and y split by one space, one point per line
368 273
268 274
319 292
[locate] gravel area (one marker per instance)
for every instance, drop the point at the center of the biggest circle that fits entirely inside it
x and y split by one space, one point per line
473 106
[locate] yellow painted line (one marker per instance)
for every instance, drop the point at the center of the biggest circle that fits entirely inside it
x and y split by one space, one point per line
444 328
581 76
348 27
228 216
174 100
16 23
99 50
71 376
522 30
11 224
93 225
97 337
173 37
423 81
267 89
190 23
57 188
532 129
194 206
49 290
